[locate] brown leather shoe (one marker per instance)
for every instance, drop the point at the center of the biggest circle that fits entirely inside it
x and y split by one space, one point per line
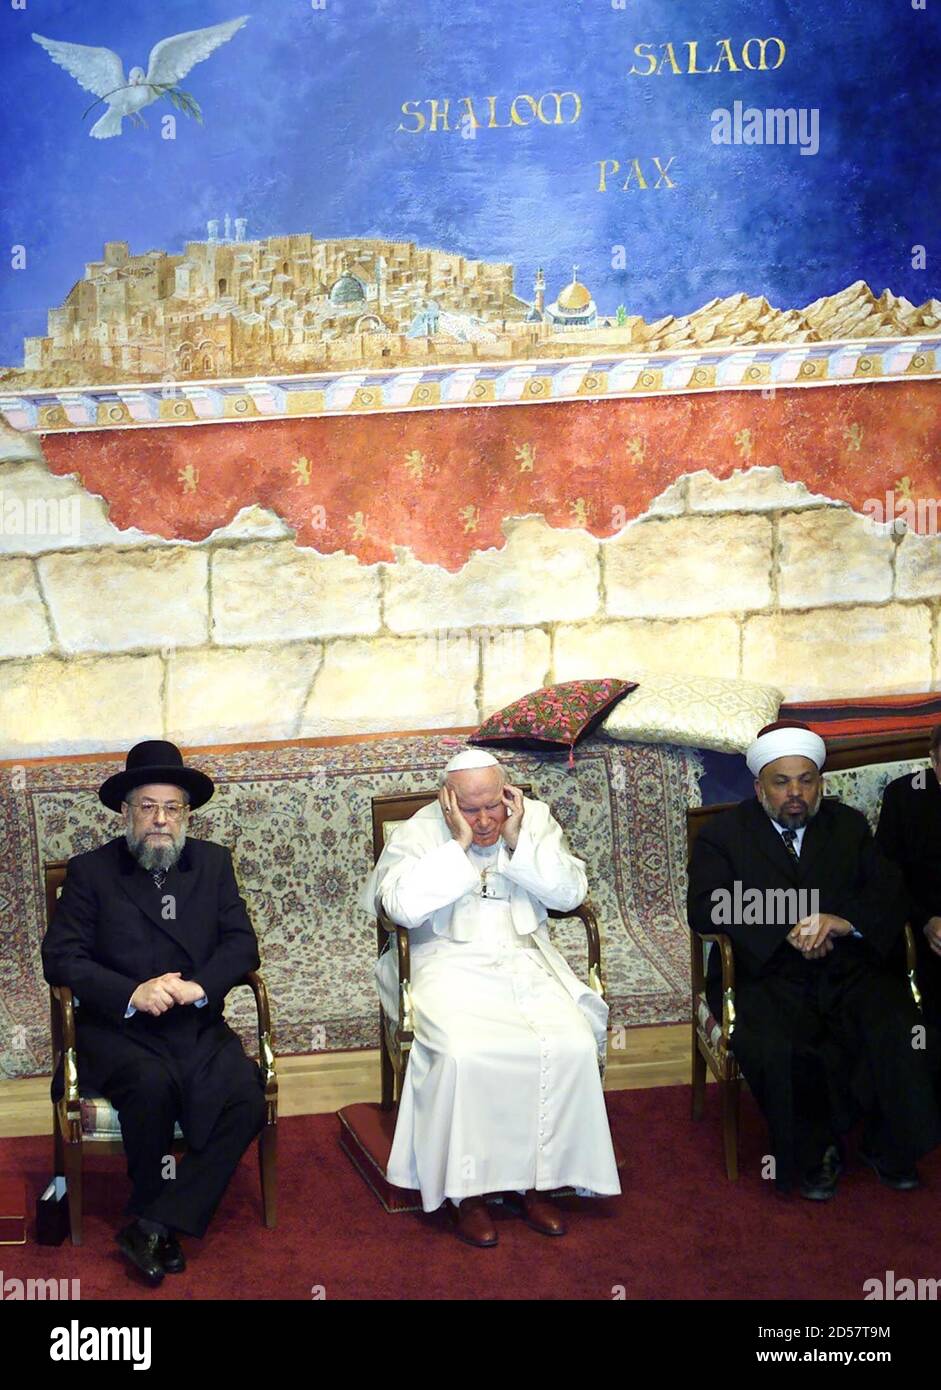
538 1212
473 1223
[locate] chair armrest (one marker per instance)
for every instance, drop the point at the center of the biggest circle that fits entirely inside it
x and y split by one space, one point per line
589 918
385 927
911 964
265 1037
724 945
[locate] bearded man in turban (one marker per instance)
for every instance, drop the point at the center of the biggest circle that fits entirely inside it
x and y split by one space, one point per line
826 1030
502 1093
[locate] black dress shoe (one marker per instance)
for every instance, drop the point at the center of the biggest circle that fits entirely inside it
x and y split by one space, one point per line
170 1254
901 1179
819 1184
143 1251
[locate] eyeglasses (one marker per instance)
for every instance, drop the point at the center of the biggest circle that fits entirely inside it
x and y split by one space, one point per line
173 809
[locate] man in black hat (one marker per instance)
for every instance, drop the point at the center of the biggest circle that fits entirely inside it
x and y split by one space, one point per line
150 934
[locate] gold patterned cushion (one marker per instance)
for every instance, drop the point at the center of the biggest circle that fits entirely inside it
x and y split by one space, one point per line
710 1031
709 1026
694 712
100 1119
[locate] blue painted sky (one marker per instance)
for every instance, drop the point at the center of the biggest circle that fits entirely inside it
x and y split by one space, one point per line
301 110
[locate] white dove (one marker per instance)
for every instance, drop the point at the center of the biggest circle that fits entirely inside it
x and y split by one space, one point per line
101 71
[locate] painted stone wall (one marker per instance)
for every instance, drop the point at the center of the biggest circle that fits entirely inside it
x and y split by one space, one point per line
109 635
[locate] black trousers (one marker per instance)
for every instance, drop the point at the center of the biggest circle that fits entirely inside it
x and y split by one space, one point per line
823 1050
183 1193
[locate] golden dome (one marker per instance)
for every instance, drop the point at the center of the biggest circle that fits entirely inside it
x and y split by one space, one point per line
574 296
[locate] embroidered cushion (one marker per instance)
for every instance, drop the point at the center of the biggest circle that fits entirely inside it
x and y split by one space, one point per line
556 716
694 712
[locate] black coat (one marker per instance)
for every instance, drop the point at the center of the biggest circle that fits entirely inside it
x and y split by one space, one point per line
112 930
820 1042
909 833
838 859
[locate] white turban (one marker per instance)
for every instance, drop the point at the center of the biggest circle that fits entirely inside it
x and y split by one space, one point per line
471 757
785 740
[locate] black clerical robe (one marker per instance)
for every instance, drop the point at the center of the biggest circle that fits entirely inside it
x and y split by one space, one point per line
820 1042
113 928
909 833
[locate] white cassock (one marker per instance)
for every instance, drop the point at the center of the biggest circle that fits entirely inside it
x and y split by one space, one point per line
502 1091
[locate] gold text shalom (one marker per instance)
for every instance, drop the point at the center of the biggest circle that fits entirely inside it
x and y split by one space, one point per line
564 108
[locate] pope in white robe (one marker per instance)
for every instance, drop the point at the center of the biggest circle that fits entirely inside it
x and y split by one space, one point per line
502 1092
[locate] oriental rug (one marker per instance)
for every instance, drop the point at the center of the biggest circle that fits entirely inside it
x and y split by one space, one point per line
297 819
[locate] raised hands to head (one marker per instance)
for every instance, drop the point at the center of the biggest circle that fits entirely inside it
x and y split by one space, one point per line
454 817
513 801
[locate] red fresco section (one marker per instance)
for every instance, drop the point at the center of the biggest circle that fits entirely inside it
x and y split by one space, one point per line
442 481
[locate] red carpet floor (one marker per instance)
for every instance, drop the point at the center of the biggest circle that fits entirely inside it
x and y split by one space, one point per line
680 1229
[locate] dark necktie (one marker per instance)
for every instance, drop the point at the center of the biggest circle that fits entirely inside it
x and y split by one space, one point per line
789 837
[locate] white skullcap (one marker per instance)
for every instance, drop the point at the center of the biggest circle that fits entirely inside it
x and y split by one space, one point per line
785 740
471 757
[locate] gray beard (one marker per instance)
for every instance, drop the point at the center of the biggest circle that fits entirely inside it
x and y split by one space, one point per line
161 857
793 820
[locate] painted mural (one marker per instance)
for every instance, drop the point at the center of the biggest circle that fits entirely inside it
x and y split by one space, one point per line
443 485
368 364
317 190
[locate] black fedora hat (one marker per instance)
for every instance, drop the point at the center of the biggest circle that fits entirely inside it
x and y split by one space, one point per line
155 761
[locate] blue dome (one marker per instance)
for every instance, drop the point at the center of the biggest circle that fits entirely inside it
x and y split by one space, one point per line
348 290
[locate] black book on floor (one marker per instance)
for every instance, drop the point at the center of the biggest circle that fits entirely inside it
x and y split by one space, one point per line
52 1214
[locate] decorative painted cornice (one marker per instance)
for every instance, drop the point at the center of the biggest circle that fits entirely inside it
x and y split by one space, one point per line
762 367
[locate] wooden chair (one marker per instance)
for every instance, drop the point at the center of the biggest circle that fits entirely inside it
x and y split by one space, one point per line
711 1038
82 1116
396 1034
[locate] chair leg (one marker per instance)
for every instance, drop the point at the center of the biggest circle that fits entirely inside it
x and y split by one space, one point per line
729 1093
268 1167
698 1078
386 1071
399 1072
58 1157
73 1182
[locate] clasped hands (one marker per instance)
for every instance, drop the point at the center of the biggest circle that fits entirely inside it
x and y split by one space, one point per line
163 991
460 828
813 935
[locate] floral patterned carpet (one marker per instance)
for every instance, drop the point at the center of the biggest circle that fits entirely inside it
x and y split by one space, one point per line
297 819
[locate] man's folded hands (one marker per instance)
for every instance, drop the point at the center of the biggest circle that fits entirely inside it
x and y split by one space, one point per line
813 935
158 995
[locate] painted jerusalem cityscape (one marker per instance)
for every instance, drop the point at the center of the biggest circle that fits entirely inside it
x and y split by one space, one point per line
230 306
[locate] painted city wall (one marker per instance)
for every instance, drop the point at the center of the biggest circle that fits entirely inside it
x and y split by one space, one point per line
363 367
